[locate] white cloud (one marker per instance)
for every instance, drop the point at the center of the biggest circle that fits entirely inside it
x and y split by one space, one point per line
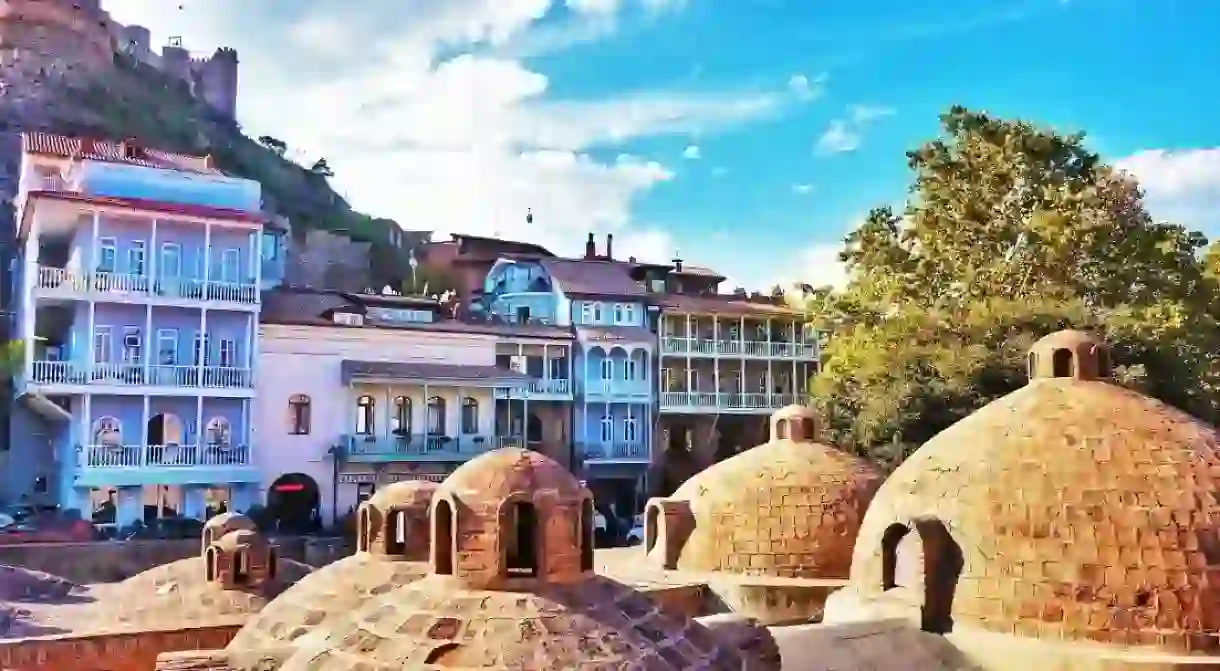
1180 186
846 134
802 189
692 153
804 88
428 115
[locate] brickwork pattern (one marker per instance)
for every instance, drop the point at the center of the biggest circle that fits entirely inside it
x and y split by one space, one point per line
595 623
127 651
400 507
1081 510
785 509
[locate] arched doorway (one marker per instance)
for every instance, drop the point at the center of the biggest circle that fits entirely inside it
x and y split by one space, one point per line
293 504
164 429
928 563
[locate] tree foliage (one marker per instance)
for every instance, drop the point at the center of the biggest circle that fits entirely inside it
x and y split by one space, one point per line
1010 232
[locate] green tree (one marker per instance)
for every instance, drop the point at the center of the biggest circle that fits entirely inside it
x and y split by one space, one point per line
1011 231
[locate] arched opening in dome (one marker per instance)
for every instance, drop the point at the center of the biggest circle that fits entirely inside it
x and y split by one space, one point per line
587 527
395 533
273 563
521 557
1032 366
781 430
808 428
364 529
890 539
1105 368
651 517
210 559
927 564
1062 363
241 567
442 538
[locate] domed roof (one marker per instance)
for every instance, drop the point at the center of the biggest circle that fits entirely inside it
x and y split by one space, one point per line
788 508
596 623
403 493
498 474
1070 509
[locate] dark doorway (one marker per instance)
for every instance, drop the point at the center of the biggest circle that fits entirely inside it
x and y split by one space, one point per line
928 562
164 429
533 428
522 558
293 504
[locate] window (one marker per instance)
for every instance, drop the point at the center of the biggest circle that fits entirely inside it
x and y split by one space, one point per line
628 315
298 415
171 260
618 313
400 423
436 416
230 265
201 348
136 257
365 407
228 352
132 344
694 380
107 255
629 369
607 369
597 313
586 313
470 416
219 431
167 347
667 379
607 427
107 431
101 344
629 427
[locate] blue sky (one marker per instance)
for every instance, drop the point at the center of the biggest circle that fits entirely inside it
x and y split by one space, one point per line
745 134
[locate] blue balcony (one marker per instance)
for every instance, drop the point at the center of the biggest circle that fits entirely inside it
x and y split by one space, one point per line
420 448
618 451
169 186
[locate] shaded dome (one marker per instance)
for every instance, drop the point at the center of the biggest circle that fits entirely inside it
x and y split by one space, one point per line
219 525
596 623
1069 509
512 516
341 587
787 508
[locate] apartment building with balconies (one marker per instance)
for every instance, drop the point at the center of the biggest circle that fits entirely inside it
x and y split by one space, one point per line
727 363
359 390
137 279
613 362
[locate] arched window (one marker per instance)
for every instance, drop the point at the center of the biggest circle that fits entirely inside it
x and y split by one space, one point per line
365 411
209 564
781 430
241 567
108 431
395 533
607 431
273 563
219 431
442 538
520 528
298 415
364 529
470 416
402 416
436 416
1062 363
587 526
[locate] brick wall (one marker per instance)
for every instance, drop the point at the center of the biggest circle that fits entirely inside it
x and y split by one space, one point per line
133 651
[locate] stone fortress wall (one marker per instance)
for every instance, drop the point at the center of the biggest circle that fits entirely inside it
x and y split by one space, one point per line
46 40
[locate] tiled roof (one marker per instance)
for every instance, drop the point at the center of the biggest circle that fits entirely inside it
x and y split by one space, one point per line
61 146
155 206
594 277
357 370
698 270
724 306
632 334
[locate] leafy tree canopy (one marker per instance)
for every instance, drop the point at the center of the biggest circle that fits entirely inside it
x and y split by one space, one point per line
1010 232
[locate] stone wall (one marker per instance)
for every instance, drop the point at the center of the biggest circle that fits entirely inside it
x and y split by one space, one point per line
326 260
43 42
132 651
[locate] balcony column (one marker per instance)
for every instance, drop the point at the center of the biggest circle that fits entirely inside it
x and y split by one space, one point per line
144 417
245 428
584 398
427 416
689 345
27 308
86 428
257 268
200 438
546 366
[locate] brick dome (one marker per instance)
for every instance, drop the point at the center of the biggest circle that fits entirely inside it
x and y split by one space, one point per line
596 623
1070 509
788 508
381 563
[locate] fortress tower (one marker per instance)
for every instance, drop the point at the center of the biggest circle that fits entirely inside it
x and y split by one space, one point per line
51 39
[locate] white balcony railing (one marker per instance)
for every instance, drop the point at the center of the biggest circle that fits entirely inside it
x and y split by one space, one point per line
744 348
618 387
62 282
539 387
726 400
163 456
616 450
207 377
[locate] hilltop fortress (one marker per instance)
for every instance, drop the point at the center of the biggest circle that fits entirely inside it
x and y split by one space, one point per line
43 40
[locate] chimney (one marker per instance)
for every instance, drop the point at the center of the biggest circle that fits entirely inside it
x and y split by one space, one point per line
590 248
609 246
630 259
129 148
209 163
677 265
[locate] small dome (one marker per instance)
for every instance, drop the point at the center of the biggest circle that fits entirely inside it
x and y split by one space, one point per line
1070 354
242 539
393 522
596 623
221 524
786 508
1076 510
794 422
511 517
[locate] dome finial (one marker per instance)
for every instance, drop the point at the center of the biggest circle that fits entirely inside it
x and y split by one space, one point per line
1070 354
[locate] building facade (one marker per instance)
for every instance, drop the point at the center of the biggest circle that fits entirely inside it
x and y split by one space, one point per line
136 281
358 391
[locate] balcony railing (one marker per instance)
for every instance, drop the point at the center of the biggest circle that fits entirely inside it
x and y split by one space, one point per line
745 348
64 282
726 400
539 387
420 446
207 377
614 450
164 456
618 387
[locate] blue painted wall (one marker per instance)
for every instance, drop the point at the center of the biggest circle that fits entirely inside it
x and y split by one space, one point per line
169 186
180 250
